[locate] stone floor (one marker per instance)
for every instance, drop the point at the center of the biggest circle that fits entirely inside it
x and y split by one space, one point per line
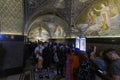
30 72
52 74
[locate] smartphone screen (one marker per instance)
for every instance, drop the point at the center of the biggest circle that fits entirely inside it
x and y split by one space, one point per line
100 71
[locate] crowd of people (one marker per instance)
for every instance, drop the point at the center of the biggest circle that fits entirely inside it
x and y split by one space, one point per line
74 64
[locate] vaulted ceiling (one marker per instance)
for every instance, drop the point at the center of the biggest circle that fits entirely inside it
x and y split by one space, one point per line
69 18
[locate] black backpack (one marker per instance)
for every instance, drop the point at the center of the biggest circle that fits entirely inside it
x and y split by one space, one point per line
85 71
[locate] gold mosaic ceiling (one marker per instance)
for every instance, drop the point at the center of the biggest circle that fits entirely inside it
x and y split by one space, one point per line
11 16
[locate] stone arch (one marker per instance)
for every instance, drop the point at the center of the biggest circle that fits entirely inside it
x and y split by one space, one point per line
39 12
48 19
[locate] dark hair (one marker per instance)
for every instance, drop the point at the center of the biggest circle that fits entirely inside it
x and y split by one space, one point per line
109 50
105 57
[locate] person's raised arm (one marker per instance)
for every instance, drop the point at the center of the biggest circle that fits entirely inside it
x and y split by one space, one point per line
92 56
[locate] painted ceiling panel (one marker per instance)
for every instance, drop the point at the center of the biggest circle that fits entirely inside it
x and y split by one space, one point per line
102 19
